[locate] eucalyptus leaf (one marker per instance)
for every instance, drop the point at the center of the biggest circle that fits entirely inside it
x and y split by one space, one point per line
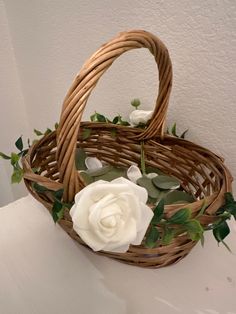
56 125
80 157
112 174
86 177
181 216
152 237
154 170
146 183
166 182
100 171
19 144
178 197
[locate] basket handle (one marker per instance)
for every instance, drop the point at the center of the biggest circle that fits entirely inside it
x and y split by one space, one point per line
77 96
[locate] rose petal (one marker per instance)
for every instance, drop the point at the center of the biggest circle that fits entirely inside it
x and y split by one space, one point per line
134 173
151 175
93 163
90 239
140 116
129 235
140 192
147 215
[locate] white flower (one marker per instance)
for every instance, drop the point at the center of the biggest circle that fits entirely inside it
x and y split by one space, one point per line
134 173
140 116
93 163
112 215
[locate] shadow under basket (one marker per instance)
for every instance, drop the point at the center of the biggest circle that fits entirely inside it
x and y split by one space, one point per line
201 173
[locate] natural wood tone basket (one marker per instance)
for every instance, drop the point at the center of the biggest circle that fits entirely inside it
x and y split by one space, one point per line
200 171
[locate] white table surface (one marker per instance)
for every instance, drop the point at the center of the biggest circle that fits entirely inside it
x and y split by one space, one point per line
43 271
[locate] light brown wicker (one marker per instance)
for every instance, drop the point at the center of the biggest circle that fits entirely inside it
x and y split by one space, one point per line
200 171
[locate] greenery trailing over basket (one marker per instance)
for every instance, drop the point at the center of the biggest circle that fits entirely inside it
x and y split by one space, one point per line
162 229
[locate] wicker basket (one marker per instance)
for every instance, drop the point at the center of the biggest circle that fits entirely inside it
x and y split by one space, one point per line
200 171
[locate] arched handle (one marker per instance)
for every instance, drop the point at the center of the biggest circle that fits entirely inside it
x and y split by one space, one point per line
84 83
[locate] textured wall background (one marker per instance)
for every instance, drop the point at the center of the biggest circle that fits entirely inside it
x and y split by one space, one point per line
13 118
52 39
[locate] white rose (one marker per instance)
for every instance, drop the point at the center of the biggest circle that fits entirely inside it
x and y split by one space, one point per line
112 215
140 116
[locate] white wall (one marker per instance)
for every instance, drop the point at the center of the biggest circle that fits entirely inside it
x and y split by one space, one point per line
52 39
13 118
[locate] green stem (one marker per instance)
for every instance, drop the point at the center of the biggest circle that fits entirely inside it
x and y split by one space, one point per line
143 166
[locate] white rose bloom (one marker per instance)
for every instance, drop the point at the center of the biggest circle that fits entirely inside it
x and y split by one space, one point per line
140 116
112 215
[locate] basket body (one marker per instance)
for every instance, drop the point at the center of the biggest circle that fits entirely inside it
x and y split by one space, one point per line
201 172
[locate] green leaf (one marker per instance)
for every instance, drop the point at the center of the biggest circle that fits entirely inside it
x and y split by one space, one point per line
146 183
56 125
181 216
37 132
152 237
24 152
221 231
202 210
58 194
57 211
17 175
173 130
112 174
4 156
14 158
229 198
97 117
183 134
19 144
39 188
86 133
202 240
166 182
118 120
135 103
154 170
158 212
113 133
178 196
168 236
142 158
100 171
194 229
80 157
86 177
48 131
